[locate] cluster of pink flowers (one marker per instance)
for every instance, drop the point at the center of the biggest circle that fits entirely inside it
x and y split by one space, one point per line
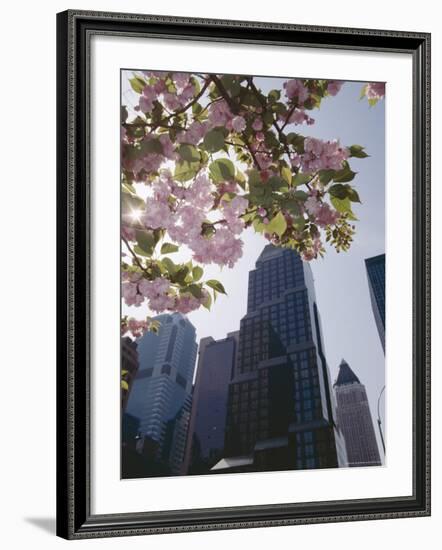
334 86
232 211
320 155
321 211
375 90
299 116
185 303
160 297
184 220
312 252
219 113
148 162
223 248
184 91
295 89
157 293
194 133
136 327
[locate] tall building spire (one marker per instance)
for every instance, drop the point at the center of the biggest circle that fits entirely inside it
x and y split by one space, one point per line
354 419
346 375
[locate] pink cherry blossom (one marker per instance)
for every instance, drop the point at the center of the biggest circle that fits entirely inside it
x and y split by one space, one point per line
239 124
322 155
257 124
219 113
147 99
157 215
375 90
334 86
295 89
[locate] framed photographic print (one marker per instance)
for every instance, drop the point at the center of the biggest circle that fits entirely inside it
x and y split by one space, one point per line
243 274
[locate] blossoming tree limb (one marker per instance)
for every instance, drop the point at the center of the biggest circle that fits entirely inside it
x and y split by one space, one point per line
215 156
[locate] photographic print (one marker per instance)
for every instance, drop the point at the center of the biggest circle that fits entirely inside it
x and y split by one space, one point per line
252 275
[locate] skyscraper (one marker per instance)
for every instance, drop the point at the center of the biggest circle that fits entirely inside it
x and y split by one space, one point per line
164 382
355 420
280 412
376 281
129 367
205 443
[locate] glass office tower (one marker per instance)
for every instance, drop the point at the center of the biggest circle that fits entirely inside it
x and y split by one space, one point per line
281 412
161 393
376 281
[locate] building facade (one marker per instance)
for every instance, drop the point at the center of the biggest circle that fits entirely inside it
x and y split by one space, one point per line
205 445
281 410
355 419
129 368
162 388
376 281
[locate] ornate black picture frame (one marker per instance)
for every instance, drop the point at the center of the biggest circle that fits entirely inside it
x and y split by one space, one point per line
74 32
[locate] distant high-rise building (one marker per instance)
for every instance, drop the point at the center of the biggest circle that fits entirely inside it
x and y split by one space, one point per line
163 383
205 445
280 412
376 281
129 367
174 447
355 420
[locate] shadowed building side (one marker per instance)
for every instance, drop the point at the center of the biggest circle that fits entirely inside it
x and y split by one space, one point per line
205 444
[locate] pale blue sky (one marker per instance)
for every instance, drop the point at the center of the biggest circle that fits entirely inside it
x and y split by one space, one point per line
340 279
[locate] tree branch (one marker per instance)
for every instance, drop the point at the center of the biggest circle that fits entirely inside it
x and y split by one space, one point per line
235 109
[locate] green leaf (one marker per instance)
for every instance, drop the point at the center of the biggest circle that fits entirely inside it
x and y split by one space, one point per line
286 173
197 273
216 285
339 191
185 171
258 226
352 194
344 175
171 268
195 290
301 179
291 205
146 241
214 140
196 109
123 114
277 184
267 118
222 170
189 153
140 252
277 224
124 385
169 248
297 141
274 95
207 302
300 195
357 151
137 84
342 205
326 176
151 146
